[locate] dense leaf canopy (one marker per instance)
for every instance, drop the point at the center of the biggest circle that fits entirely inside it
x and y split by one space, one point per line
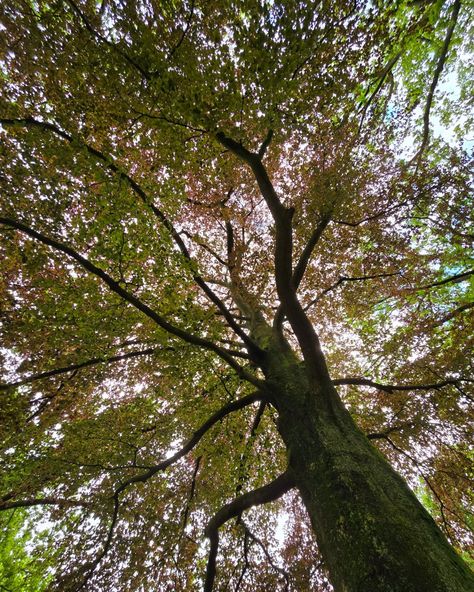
138 140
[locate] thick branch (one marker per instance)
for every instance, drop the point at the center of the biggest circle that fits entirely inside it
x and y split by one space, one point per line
131 298
265 144
261 175
262 495
303 262
305 256
292 309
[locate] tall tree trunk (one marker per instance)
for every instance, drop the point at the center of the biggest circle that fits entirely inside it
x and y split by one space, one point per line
373 533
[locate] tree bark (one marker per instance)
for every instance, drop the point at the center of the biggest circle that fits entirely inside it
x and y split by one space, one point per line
373 533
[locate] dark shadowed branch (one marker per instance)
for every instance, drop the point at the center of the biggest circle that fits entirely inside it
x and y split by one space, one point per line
42 501
303 261
91 362
265 143
454 313
381 214
453 279
342 279
182 37
262 495
385 72
113 46
192 491
305 256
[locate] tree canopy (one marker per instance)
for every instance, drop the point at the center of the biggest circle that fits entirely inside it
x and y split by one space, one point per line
178 177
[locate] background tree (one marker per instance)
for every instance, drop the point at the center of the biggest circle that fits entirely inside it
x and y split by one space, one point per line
198 200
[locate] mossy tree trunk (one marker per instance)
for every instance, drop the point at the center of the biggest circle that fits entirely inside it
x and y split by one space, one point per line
373 533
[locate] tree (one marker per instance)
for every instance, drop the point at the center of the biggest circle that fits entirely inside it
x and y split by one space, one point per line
214 214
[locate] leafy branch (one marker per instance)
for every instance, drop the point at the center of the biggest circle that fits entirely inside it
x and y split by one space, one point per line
143 196
132 299
434 83
161 466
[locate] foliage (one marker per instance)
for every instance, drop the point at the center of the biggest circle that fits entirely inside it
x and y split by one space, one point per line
18 569
138 272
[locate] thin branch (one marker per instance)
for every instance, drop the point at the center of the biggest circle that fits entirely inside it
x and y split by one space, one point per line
200 131
453 279
191 493
262 495
132 299
246 562
105 41
205 246
79 366
381 214
184 33
249 443
442 505
439 68
343 279
454 313
390 430
389 388
42 501
391 63
280 570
